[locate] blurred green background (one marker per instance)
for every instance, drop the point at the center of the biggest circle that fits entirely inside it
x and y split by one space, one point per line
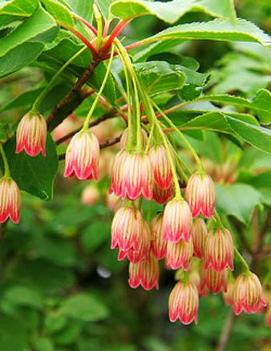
62 288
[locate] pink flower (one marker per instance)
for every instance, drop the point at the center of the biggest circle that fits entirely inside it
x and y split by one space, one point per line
31 135
10 200
160 195
161 167
179 254
158 244
132 176
82 156
177 221
199 234
219 250
183 303
248 294
213 281
200 194
228 295
144 273
126 229
136 255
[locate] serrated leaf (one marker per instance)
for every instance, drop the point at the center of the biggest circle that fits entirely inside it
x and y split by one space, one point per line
35 175
238 200
170 11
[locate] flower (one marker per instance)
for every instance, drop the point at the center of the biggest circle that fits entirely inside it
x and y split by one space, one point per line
160 195
124 138
179 254
219 250
31 135
82 156
132 176
183 303
158 244
144 273
10 200
139 253
213 281
126 229
161 167
200 194
248 294
228 295
177 221
90 195
199 234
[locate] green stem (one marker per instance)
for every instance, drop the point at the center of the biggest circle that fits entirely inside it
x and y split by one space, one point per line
186 142
87 120
43 94
99 21
242 261
5 161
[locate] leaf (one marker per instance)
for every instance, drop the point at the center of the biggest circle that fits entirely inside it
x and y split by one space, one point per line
96 80
82 8
60 12
25 100
104 6
238 200
23 296
84 307
35 25
170 11
7 340
159 76
19 57
35 175
20 8
218 29
94 235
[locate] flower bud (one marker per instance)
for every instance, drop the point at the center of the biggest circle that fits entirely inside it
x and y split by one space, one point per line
90 195
143 250
179 254
126 229
177 221
248 294
10 200
199 234
82 156
161 196
31 135
161 167
132 176
112 202
200 194
219 250
213 281
158 244
183 303
144 273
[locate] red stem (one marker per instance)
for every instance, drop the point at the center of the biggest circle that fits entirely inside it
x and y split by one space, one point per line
87 24
116 31
85 41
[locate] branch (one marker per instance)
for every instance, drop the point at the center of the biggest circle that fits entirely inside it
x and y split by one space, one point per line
226 332
107 143
72 100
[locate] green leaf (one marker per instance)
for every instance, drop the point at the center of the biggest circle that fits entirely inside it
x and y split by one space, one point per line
84 307
23 296
82 8
35 25
60 12
218 29
96 80
104 6
8 341
159 76
94 235
25 100
19 57
238 200
171 11
20 8
35 175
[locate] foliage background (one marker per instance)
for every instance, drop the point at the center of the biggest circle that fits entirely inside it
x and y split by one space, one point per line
61 287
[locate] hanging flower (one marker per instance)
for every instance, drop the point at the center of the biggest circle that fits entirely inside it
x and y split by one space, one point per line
177 221
161 196
132 176
213 281
179 254
82 156
144 273
199 234
10 200
31 135
158 244
183 303
200 194
124 138
248 294
161 167
219 250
